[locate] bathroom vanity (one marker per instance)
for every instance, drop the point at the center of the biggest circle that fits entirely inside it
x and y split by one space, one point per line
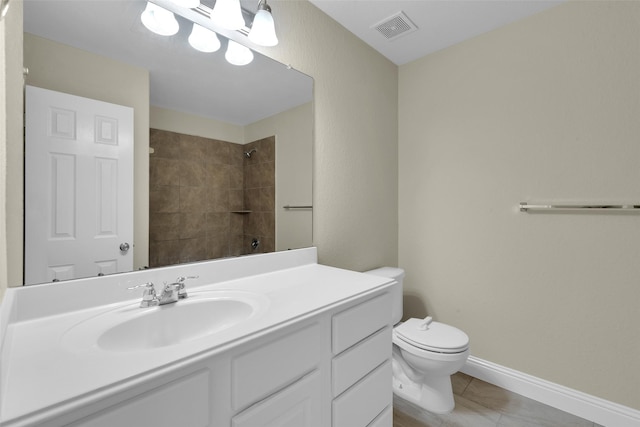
265 340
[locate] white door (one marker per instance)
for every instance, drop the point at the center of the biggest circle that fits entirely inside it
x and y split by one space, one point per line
78 187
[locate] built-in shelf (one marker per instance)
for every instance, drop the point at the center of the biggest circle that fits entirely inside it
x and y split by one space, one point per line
241 212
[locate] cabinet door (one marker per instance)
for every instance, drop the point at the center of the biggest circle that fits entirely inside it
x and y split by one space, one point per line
269 366
298 405
184 402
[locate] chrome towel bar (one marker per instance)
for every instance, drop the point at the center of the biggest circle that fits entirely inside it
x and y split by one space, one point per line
525 207
297 207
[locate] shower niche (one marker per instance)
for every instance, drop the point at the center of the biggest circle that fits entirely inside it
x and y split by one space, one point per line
209 198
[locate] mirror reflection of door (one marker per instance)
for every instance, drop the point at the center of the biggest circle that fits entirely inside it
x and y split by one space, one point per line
78 187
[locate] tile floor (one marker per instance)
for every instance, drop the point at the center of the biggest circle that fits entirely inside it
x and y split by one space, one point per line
479 404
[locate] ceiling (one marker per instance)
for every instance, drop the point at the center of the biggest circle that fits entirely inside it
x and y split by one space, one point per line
440 23
180 77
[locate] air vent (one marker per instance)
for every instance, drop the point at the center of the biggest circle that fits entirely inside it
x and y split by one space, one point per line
395 26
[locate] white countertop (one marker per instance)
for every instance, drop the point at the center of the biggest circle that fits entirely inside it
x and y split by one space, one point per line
42 373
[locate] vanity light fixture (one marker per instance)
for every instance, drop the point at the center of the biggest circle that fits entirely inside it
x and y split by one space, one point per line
228 14
203 39
263 30
237 54
159 20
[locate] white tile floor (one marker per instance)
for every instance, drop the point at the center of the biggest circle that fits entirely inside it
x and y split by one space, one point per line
479 404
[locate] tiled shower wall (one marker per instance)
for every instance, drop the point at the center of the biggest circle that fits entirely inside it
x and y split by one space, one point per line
201 190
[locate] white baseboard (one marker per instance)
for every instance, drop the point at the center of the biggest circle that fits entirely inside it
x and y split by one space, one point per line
583 405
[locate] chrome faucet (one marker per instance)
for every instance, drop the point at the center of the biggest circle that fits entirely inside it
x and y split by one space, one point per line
171 293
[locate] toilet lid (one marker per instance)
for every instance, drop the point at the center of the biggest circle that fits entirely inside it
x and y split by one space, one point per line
433 336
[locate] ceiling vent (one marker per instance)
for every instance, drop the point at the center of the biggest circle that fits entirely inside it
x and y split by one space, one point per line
395 26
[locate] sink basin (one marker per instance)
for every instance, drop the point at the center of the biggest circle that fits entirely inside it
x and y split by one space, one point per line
131 328
175 323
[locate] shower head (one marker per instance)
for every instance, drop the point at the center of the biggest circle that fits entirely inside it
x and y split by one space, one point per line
247 154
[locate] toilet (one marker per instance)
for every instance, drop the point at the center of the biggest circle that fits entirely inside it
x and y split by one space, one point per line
425 354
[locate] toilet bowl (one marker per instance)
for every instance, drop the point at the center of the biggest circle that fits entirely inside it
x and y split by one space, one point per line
425 354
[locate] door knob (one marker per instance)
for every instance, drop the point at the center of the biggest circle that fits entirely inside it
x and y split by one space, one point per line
124 247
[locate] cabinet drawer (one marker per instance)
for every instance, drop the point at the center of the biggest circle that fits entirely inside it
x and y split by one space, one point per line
264 370
296 406
358 361
361 404
356 323
385 419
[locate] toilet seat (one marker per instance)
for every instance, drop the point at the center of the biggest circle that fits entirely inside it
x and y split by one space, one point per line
432 336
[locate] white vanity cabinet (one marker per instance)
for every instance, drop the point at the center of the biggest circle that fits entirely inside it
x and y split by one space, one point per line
345 357
332 369
317 352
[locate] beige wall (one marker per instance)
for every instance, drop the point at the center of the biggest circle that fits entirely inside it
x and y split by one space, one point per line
355 152
189 124
543 110
11 131
66 69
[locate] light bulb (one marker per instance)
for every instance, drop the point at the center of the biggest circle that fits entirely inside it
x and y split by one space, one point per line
227 14
203 39
263 30
237 54
188 4
159 20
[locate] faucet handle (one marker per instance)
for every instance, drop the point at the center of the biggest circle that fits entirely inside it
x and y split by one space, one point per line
149 297
182 291
148 287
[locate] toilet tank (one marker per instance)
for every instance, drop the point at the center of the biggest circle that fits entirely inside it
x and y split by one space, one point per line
398 275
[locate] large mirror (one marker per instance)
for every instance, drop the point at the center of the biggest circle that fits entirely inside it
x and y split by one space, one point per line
222 154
